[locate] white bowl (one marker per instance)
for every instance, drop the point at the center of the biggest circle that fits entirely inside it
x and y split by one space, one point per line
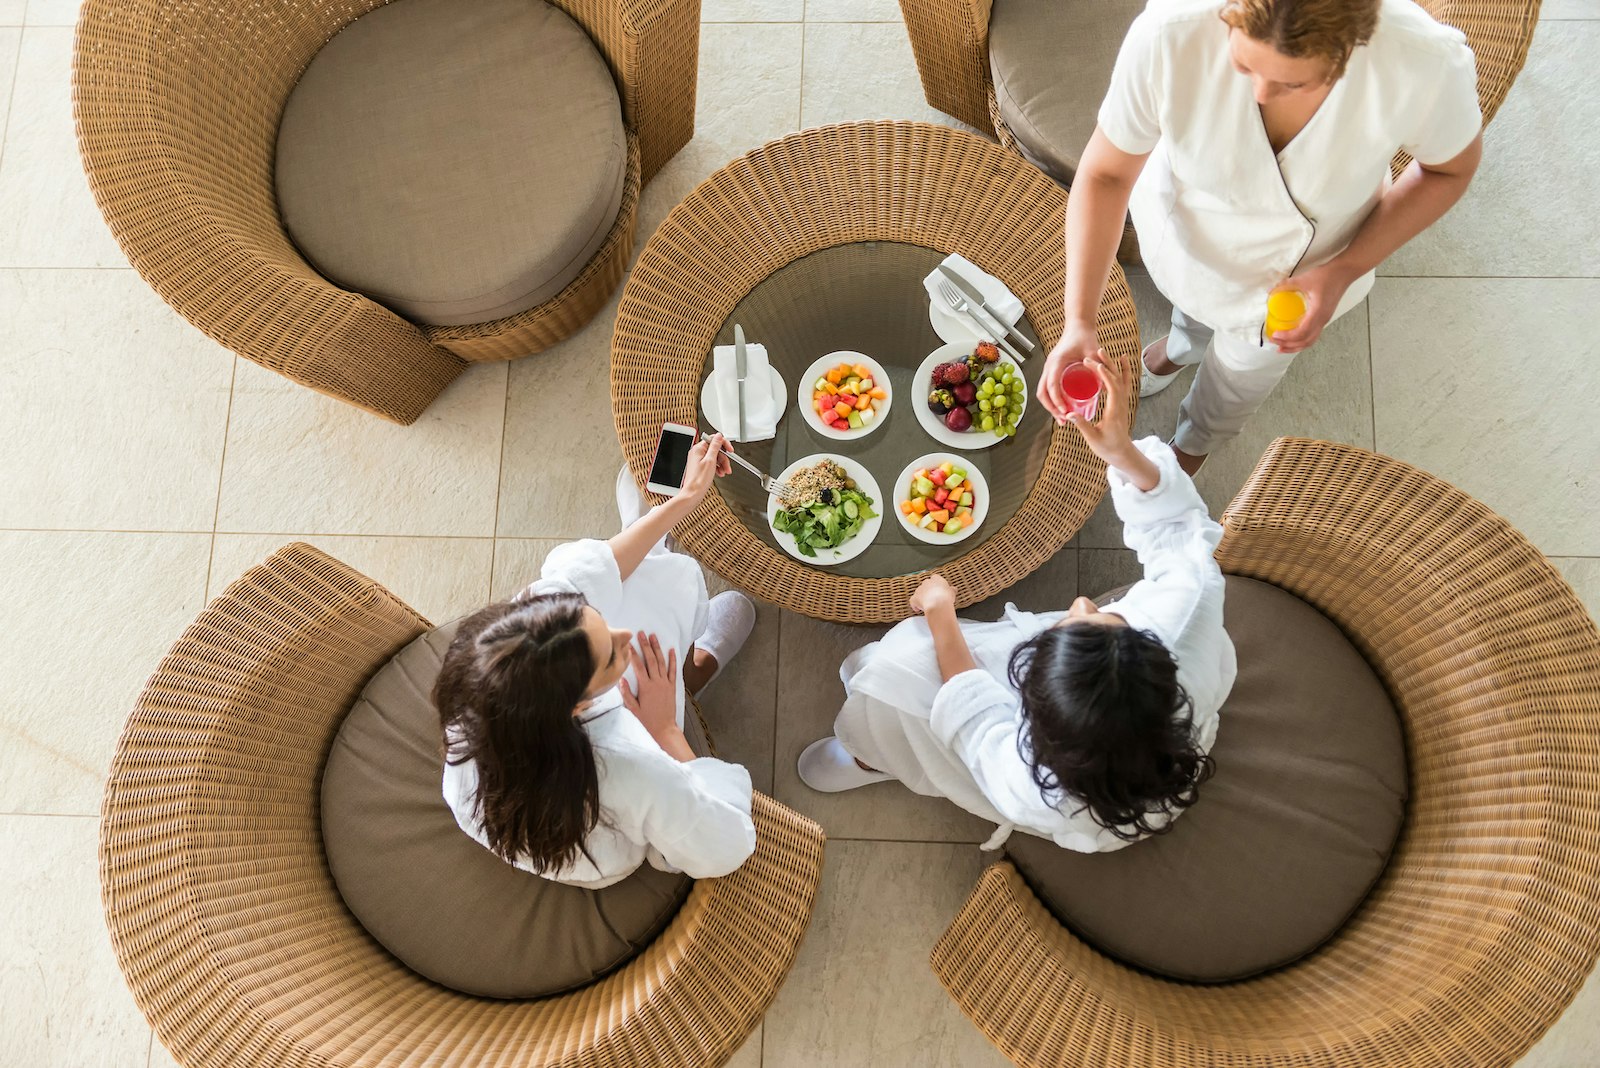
980 493
803 392
922 383
864 537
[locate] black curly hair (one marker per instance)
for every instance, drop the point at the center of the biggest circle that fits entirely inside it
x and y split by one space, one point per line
1108 723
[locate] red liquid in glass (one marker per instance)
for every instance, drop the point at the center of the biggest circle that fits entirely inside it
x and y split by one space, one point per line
1082 388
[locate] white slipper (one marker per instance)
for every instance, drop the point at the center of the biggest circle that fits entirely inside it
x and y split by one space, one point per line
1151 383
732 618
827 767
630 502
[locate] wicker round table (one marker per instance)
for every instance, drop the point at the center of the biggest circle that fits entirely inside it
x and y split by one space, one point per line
819 240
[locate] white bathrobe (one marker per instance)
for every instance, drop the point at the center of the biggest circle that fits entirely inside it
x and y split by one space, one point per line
691 817
959 739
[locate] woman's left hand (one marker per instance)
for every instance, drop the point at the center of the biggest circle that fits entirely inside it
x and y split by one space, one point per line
1323 287
653 697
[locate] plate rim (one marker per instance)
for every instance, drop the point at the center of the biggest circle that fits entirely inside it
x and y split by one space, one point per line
927 420
807 412
869 530
924 537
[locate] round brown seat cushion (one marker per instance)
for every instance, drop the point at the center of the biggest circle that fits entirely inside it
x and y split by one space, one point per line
459 162
1286 839
433 896
1051 62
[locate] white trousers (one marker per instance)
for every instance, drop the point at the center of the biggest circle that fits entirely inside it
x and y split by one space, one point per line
1231 383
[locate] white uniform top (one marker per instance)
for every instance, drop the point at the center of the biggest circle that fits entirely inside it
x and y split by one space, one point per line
1221 219
691 817
961 739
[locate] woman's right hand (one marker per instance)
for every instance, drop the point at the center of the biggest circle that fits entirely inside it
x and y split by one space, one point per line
653 697
1079 342
706 462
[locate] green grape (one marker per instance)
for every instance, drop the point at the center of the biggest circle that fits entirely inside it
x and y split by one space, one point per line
984 405
1017 387
1011 431
1013 418
1000 400
988 422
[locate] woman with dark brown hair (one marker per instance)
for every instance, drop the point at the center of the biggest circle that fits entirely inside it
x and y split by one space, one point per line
1251 142
563 708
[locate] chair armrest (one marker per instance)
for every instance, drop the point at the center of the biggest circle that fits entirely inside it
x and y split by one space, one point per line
950 39
653 49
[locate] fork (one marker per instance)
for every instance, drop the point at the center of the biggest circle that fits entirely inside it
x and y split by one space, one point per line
768 483
958 303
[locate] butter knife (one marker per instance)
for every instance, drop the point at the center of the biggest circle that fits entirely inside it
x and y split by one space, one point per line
977 303
740 366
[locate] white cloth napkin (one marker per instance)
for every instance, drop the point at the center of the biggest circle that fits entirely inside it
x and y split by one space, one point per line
957 328
760 407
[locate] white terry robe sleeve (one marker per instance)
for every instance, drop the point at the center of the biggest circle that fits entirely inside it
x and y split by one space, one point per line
696 816
587 567
981 722
1130 114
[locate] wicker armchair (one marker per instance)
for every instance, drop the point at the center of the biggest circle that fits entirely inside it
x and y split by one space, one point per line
177 111
1487 920
234 939
951 41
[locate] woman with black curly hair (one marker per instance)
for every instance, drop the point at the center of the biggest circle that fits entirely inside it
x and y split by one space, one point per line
1090 727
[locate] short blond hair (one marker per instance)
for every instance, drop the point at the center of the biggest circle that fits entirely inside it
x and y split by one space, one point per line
1328 29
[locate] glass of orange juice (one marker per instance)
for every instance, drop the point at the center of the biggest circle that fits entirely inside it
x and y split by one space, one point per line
1285 309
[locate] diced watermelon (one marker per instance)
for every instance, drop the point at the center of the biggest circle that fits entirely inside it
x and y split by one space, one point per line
936 476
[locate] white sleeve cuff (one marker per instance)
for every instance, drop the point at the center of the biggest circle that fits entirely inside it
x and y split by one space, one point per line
1170 498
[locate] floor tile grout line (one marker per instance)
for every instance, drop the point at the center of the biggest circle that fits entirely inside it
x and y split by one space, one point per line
11 90
499 481
1372 381
150 1050
222 466
56 815
278 533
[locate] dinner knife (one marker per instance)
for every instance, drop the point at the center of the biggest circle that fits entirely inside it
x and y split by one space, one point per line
975 300
740 366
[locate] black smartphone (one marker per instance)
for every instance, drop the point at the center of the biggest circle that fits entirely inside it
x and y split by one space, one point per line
672 459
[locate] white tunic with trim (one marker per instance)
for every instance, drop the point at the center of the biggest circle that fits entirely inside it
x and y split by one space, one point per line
1222 219
691 817
959 739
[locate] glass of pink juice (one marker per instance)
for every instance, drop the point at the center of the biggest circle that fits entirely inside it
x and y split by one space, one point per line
1082 388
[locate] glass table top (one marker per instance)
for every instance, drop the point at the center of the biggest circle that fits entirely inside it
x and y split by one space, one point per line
868 297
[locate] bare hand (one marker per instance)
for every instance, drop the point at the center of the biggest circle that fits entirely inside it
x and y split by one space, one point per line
653 698
1323 287
935 592
707 460
1108 438
1078 343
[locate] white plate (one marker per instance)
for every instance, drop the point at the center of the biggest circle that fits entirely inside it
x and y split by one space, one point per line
711 405
803 391
980 493
864 537
965 440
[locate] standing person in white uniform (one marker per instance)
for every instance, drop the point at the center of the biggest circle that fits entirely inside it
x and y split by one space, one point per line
1090 727
1251 140
563 708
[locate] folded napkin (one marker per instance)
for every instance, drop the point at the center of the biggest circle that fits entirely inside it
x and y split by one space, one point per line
760 406
957 328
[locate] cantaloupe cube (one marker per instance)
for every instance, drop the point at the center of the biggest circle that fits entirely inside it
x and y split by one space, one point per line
940 516
919 505
842 409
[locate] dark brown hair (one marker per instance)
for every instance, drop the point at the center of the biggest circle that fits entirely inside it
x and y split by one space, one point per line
1328 29
1107 723
510 682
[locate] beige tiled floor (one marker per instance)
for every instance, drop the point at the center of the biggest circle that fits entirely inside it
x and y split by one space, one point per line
144 468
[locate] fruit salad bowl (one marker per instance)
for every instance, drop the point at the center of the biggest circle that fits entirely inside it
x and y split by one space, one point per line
953 412
941 498
841 403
